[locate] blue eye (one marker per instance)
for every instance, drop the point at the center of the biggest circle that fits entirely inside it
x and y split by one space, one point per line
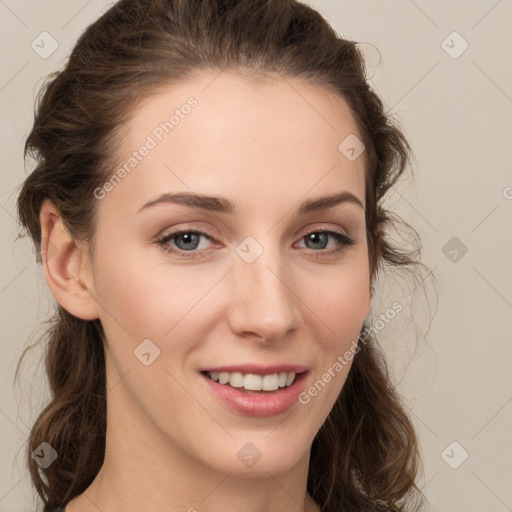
322 237
188 240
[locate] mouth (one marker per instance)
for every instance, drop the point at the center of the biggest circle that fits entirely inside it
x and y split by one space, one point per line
253 383
256 391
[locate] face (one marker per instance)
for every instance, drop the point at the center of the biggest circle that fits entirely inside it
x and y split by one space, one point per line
255 286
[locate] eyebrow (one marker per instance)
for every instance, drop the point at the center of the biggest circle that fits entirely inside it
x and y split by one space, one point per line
222 205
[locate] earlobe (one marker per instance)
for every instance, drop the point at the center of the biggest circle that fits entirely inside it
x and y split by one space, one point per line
66 265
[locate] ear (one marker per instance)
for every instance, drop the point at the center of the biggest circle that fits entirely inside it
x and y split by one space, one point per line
67 265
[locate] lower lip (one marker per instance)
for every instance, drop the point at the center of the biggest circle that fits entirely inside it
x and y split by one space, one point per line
271 403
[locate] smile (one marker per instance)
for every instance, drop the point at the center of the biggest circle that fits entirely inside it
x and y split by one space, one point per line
254 382
251 394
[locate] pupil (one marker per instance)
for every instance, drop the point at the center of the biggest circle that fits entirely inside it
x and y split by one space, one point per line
318 238
186 237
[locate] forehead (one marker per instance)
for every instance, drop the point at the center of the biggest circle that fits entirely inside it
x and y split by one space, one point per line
223 134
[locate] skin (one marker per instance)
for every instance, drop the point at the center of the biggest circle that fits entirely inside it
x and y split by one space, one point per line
265 146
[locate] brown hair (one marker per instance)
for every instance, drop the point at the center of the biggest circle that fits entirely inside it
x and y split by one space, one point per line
365 456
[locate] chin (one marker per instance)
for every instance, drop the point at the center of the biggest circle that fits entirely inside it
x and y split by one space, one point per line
258 458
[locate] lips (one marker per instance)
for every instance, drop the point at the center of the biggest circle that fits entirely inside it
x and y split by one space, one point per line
256 403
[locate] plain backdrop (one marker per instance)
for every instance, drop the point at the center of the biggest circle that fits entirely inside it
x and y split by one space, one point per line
444 70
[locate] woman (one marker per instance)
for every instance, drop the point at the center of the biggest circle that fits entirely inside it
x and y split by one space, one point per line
207 203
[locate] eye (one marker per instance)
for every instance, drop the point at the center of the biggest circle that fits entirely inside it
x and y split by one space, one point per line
318 240
188 242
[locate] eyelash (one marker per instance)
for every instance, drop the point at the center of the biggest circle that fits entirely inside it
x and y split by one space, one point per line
344 240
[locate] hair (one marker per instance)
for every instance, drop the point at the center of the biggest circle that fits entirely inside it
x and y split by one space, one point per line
366 456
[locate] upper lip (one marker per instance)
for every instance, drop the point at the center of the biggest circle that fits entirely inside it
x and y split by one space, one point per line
258 369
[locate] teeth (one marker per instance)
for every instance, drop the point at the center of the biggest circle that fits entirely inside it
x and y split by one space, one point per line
236 379
269 382
252 382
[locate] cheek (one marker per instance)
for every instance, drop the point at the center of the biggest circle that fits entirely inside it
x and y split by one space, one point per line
339 313
142 293
340 303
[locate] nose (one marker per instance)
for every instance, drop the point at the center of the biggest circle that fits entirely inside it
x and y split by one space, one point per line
263 301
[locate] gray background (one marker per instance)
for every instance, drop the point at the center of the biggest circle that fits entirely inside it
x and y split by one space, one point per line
456 110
